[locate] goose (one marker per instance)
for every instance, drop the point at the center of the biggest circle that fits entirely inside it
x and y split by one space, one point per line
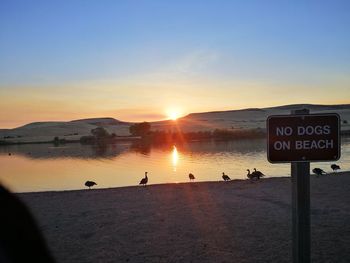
318 171
335 167
191 176
144 181
90 184
249 175
225 177
257 174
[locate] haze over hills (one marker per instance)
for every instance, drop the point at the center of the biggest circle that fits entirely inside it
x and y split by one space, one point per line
246 118
250 118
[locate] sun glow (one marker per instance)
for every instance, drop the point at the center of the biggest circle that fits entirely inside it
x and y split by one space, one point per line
173 114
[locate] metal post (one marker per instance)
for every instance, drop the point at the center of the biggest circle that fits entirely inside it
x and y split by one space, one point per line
301 207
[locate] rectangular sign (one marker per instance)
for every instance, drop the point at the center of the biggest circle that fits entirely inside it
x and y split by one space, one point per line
302 138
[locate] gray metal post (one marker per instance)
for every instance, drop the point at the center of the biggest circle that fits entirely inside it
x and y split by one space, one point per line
301 207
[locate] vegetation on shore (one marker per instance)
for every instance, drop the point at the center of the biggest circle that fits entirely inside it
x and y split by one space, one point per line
99 135
143 132
164 137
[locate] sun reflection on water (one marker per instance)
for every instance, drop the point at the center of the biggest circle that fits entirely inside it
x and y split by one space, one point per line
44 168
175 158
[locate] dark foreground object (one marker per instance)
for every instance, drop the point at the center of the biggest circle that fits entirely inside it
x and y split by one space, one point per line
236 221
20 238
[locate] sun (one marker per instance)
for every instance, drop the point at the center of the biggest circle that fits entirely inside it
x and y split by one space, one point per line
173 114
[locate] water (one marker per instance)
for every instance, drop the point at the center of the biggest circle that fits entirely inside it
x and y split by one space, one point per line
44 167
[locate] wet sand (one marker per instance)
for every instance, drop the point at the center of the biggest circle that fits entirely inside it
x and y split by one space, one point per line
237 221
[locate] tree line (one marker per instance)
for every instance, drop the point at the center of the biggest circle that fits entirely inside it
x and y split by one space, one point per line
144 132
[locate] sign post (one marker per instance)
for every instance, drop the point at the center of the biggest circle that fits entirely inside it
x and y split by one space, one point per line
298 139
300 172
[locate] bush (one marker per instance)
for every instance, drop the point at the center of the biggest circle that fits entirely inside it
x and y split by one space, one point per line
58 141
99 135
99 132
140 129
87 139
238 134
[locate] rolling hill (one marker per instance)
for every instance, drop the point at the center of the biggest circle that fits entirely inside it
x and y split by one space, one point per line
206 121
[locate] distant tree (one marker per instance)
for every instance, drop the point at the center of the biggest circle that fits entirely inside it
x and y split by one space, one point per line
99 133
140 129
99 136
2 142
87 139
58 141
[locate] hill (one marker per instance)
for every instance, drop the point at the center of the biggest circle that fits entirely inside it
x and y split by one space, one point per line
251 118
72 130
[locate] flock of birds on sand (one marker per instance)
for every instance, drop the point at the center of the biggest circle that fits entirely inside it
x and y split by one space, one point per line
255 175
319 171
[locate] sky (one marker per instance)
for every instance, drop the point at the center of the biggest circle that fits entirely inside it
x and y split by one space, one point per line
142 60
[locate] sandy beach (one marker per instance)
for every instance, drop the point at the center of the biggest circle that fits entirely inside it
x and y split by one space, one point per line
237 221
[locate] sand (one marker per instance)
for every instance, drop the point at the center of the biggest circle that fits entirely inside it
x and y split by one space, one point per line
237 221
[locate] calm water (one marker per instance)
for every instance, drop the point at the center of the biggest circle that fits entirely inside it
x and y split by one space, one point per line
46 167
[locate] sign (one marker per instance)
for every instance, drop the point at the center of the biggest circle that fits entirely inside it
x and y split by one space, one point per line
301 138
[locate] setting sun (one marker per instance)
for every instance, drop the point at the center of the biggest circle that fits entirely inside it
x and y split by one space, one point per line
173 114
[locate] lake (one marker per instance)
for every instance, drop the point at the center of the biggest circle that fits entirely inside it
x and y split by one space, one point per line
46 167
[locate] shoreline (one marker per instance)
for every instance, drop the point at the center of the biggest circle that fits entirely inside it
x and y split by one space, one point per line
233 181
118 139
343 134
238 221
147 186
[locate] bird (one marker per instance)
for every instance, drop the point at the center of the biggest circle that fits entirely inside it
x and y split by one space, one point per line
249 175
335 167
191 176
318 171
144 181
90 184
225 177
257 174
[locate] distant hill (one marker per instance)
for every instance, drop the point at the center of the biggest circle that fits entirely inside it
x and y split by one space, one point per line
71 130
101 121
250 118
313 107
246 118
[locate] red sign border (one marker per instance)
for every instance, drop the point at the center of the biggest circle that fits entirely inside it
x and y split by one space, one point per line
302 115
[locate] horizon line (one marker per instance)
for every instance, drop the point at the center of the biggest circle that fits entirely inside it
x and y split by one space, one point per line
192 113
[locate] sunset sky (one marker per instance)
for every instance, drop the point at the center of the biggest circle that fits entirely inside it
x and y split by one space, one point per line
141 60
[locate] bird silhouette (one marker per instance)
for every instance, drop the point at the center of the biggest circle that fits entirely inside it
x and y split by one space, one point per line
144 181
90 184
257 174
335 167
225 177
318 171
249 175
191 176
